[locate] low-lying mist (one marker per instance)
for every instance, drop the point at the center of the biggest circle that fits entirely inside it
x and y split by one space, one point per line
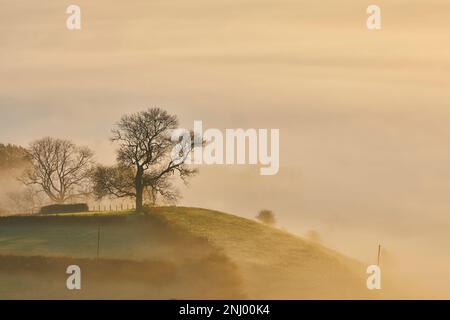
13 194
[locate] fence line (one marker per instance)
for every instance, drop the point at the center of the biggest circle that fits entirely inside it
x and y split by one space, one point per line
92 208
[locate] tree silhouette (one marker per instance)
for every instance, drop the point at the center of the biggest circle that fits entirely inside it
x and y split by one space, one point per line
266 216
145 162
59 168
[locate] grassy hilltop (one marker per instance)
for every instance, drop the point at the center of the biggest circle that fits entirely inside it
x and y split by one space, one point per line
173 252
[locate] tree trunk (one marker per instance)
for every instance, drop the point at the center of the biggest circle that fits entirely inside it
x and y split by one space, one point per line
139 190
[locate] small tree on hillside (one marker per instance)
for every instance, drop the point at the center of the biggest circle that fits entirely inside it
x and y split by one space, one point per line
267 217
145 163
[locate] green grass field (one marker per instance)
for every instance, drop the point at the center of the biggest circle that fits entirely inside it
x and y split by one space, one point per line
197 253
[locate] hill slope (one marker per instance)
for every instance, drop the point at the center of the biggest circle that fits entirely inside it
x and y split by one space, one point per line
274 264
194 253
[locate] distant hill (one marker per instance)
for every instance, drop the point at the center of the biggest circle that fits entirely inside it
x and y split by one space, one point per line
172 252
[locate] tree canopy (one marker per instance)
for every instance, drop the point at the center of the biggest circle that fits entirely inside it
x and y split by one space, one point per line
145 165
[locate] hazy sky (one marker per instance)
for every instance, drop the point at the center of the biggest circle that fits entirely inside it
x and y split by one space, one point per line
363 116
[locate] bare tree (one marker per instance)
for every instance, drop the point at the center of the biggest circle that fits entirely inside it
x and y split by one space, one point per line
145 148
59 168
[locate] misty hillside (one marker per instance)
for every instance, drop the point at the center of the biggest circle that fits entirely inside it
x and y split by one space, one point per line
273 263
173 252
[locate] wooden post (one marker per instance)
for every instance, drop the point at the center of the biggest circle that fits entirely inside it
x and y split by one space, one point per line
379 253
98 242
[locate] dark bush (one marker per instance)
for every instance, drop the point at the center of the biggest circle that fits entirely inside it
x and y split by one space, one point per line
266 216
64 208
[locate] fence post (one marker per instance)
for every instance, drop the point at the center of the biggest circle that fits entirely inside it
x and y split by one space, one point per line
98 241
